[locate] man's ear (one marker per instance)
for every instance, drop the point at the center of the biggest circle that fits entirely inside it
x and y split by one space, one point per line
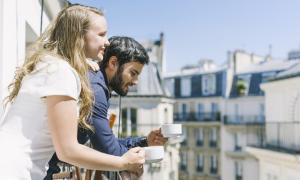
113 63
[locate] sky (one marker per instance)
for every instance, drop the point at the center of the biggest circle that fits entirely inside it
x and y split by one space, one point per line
206 29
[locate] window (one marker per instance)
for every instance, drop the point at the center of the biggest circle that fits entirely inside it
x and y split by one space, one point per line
183 160
213 164
237 146
199 111
261 117
184 136
215 112
185 86
267 75
213 137
243 84
184 108
208 84
238 170
199 162
129 122
214 107
170 83
237 118
199 136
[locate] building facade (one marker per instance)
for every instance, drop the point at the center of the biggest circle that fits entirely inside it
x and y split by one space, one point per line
278 155
222 109
199 93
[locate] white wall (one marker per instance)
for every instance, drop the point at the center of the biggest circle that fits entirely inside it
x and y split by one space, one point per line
14 16
282 100
246 105
278 165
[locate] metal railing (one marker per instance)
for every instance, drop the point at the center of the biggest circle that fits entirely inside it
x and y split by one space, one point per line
280 136
198 117
284 136
243 119
135 129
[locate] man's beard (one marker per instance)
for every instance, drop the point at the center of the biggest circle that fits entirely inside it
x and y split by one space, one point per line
116 83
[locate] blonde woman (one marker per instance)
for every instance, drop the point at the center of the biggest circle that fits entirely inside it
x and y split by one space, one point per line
50 97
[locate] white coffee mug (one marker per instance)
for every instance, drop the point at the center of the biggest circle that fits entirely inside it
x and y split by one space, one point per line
171 130
154 153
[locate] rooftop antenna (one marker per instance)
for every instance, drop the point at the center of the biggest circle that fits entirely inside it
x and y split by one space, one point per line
270 50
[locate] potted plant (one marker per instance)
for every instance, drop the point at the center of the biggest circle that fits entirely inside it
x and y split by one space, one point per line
241 87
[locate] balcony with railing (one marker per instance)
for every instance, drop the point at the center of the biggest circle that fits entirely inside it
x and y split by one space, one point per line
197 117
243 119
280 136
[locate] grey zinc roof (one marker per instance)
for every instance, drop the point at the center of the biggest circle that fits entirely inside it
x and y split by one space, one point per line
291 72
271 65
195 71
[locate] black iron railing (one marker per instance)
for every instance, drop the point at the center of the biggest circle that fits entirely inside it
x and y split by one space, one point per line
244 119
199 117
280 136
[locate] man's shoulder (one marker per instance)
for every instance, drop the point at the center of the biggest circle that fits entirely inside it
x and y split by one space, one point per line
96 77
98 85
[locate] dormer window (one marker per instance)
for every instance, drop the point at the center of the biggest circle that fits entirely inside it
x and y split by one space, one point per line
209 84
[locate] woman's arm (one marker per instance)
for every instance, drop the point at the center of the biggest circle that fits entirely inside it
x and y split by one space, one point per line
63 126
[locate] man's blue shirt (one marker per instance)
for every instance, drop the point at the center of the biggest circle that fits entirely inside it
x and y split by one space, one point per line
103 138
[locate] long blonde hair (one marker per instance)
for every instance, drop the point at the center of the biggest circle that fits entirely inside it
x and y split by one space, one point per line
64 38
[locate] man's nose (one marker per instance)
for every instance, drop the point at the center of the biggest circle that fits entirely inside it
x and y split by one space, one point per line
135 82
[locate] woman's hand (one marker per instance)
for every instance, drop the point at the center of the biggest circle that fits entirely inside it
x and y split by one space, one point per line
134 159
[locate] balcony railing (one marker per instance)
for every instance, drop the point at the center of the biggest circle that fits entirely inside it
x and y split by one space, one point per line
213 170
245 119
183 167
212 143
237 148
198 117
238 177
199 168
199 143
135 129
280 136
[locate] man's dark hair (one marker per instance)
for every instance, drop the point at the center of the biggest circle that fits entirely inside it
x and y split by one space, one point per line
126 49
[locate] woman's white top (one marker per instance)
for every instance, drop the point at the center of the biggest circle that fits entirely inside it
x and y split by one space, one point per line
25 140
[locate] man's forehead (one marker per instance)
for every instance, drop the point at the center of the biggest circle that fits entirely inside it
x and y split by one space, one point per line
135 65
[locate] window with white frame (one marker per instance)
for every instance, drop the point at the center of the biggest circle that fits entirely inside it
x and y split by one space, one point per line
213 164
184 109
209 84
183 160
185 86
129 121
213 134
238 170
237 143
199 110
170 83
261 116
199 136
199 162
184 135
